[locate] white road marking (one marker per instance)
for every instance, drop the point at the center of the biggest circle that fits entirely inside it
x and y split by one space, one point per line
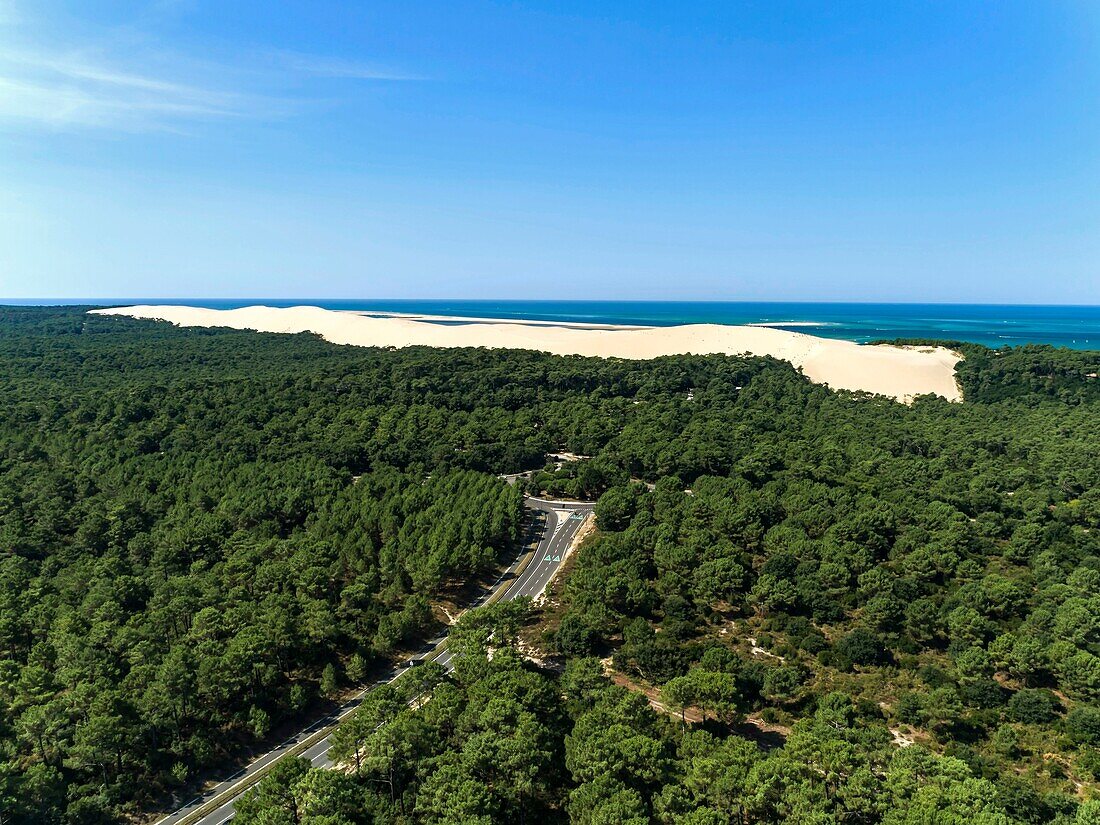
530 581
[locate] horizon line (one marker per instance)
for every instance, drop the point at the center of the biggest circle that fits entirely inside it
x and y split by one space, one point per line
55 301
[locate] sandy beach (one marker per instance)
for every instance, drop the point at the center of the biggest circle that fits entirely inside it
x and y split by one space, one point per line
898 372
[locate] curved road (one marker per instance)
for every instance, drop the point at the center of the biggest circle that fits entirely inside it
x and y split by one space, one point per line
551 532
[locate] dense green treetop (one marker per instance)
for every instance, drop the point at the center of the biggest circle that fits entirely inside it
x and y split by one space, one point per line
204 532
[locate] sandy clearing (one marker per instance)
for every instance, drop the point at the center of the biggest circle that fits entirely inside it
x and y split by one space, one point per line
897 372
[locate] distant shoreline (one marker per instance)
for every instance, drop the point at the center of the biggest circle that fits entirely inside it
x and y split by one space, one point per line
897 372
416 316
992 325
463 319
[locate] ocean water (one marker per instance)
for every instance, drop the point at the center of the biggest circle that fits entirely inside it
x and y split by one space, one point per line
994 325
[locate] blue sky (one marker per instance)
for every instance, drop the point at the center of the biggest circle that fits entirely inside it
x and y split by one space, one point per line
910 151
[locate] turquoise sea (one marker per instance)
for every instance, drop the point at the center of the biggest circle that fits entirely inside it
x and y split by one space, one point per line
994 325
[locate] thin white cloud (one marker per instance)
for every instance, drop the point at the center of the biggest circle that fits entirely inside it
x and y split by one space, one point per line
99 87
59 106
80 70
60 91
73 67
320 66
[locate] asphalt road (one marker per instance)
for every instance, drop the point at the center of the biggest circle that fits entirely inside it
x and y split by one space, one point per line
528 575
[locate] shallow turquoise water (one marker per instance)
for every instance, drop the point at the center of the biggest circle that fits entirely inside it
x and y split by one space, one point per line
993 325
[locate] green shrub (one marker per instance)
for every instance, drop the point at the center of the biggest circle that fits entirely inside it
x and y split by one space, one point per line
1033 706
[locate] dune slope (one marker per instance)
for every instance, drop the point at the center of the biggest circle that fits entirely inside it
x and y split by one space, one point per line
898 372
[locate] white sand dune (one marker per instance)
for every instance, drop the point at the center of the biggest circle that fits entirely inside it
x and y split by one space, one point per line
897 372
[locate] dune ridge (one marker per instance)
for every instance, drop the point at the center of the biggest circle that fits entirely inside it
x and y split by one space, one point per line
898 372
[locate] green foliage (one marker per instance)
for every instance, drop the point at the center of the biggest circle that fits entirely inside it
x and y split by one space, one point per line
513 745
184 550
329 683
1029 372
578 479
194 523
617 507
861 647
576 636
1033 706
1083 724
